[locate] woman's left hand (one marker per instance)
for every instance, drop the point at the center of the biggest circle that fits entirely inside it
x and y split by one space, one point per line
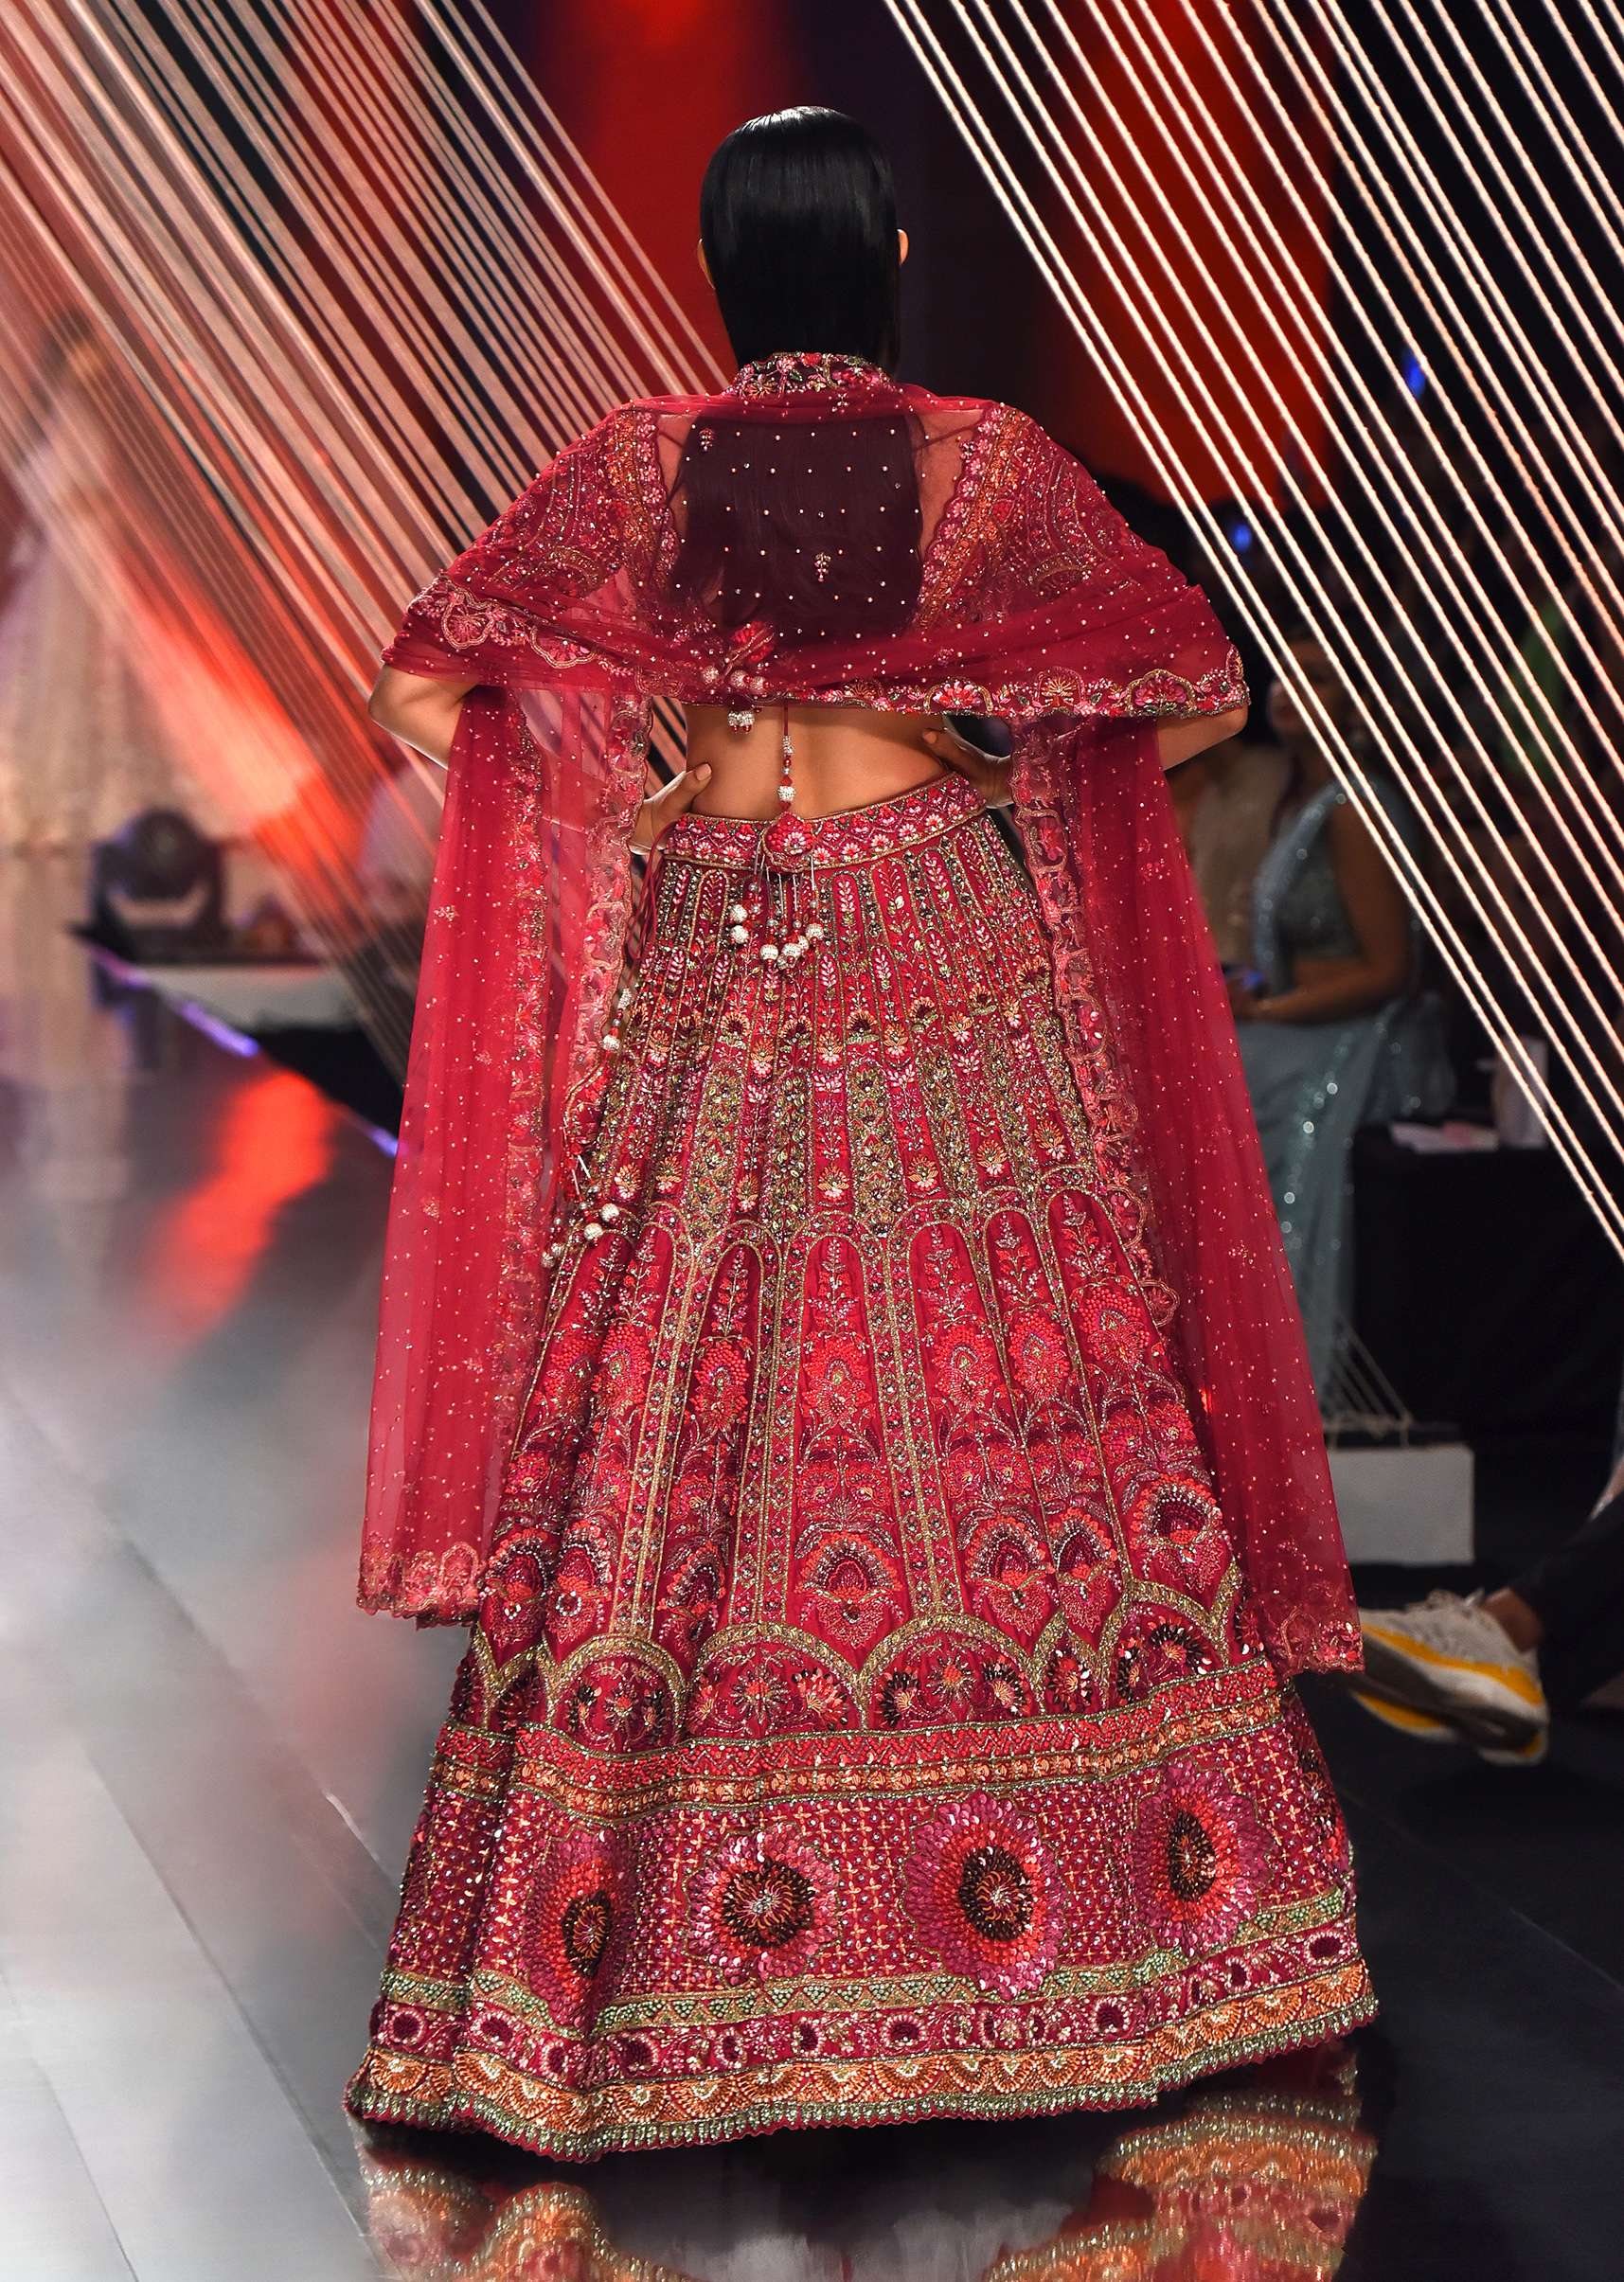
990 778
1244 999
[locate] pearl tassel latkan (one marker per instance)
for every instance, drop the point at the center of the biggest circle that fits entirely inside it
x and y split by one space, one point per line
793 949
601 1216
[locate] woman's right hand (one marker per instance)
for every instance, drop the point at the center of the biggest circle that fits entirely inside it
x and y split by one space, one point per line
669 802
1243 998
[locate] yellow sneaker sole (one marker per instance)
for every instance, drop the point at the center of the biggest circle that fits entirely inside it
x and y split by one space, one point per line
1420 1724
1422 1729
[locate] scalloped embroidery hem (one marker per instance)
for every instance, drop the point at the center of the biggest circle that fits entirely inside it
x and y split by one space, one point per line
980 2083
390 1604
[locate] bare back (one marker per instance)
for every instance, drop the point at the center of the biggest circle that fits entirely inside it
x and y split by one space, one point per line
846 757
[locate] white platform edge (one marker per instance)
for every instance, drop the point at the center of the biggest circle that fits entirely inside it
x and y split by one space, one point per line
1412 1506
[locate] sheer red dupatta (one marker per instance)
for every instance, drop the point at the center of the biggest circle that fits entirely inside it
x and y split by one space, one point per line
1134 965
526 920
533 870
1036 604
1134 962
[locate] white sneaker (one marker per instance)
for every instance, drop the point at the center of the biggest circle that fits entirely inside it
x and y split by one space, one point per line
1448 1658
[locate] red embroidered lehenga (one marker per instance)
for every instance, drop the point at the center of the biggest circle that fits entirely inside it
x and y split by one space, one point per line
859 1406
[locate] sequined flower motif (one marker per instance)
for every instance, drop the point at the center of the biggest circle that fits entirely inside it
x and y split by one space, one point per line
1199 1859
577 1906
961 697
720 1388
624 1363
1037 1349
982 1890
1156 1648
762 1905
1319 1794
513 1592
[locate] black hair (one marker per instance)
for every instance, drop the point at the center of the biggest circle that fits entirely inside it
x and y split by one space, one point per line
797 215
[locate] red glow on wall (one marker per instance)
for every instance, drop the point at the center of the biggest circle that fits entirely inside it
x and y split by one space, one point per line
648 89
273 1142
1211 275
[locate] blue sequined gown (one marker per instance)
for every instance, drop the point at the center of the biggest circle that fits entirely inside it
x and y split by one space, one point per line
1314 1084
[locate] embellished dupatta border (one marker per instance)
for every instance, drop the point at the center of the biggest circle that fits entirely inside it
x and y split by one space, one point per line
527 930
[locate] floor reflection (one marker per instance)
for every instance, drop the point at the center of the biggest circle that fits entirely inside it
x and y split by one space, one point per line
1255 2177
1261 2178
75 1046
69 1057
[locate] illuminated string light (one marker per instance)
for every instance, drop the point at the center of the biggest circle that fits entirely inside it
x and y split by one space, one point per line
1476 616
950 85
1361 411
1246 348
249 746
377 263
1596 813
1584 794
1317 86
1025 110
195 512
304 384
1155 320
1477 109
1613 54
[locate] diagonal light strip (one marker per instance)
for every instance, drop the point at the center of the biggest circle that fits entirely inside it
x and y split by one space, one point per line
1563 137
268 301
1244 481
1246 349
1451 317
1267 306
1041 243
1360 409
1284 120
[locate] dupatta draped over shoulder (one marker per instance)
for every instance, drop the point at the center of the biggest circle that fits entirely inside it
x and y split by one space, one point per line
1029 598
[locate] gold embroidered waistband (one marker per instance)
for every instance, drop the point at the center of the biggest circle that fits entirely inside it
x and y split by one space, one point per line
850 836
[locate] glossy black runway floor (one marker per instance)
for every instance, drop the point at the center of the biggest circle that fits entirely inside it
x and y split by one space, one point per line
210 1765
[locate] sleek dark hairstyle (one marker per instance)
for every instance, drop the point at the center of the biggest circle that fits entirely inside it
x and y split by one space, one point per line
798 218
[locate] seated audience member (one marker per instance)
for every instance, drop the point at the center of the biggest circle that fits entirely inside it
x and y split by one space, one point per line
1226 814
1335 1031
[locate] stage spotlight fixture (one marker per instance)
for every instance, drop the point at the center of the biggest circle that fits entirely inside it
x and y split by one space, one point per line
158 889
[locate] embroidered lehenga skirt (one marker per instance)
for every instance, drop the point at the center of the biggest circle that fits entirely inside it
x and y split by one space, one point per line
864 1720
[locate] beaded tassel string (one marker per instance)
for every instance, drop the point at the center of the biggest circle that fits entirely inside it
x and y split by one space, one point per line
789 953
778 955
